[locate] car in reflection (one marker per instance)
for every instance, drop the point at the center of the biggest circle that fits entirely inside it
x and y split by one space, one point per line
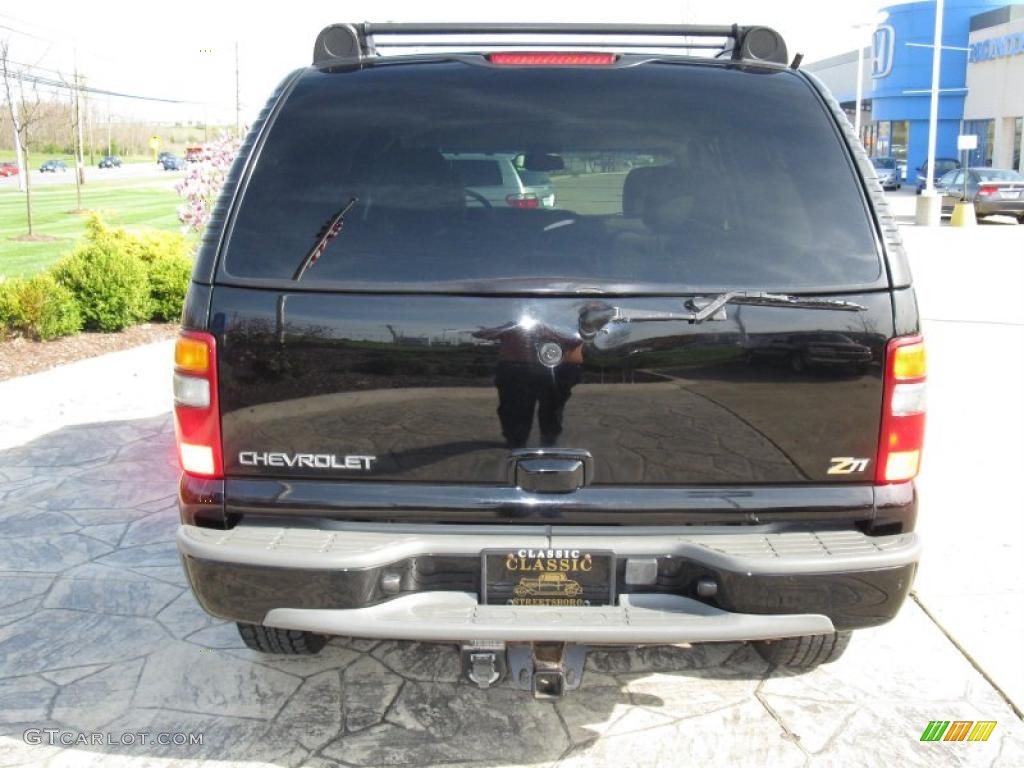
805 351
110 161
172 163
495 181
943 165
8 169
52 166
887 171
993 191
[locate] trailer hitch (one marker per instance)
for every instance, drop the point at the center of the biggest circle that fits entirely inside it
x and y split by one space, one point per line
547 670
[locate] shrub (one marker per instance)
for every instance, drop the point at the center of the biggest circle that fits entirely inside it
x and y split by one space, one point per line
169 277
41 308
8 305
110 284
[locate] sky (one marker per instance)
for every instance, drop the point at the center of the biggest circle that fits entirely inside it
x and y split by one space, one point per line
185 50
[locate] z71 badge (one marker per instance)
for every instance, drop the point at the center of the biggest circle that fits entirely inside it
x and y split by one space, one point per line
847 465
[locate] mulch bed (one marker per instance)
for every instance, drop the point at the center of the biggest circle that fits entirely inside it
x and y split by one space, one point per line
19 357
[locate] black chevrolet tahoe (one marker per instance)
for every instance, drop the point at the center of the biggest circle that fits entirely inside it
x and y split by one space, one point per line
685 404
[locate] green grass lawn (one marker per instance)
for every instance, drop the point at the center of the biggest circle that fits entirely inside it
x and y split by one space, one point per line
134 205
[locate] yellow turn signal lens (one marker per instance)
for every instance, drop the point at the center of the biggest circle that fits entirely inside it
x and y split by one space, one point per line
191 355
910 362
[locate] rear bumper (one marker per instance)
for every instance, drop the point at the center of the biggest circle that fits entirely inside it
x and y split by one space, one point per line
994 207
421 582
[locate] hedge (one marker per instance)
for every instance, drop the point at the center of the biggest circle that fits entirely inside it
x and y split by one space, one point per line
111 280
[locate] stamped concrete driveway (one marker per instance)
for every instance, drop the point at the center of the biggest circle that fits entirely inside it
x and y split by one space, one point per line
102 643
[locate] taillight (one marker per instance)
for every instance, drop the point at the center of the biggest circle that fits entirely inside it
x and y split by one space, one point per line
552 59
523 201
196 411
986 191
903 411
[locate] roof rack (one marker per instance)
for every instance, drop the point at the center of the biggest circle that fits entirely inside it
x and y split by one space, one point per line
343 43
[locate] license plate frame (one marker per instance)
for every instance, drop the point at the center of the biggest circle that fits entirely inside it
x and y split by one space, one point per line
574 577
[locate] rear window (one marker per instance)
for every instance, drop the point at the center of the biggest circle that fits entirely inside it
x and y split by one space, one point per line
998 175
476 173
884 162
665 177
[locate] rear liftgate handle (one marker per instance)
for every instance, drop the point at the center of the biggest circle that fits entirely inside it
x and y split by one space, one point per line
550 470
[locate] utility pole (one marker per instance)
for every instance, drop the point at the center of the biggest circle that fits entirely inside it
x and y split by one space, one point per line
238 106
110 147
88 129
77 122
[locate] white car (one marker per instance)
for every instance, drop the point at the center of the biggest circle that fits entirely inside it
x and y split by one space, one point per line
496 179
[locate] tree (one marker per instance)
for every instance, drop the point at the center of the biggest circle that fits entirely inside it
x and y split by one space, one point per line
203 181
24 112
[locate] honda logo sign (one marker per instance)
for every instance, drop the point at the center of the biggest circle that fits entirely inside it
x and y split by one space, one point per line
883 46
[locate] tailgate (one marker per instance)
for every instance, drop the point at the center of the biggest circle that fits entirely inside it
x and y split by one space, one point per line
440 389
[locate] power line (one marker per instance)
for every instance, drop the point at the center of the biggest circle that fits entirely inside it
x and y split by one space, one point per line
51 82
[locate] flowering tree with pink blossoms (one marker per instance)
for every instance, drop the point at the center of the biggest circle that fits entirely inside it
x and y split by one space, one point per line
203 181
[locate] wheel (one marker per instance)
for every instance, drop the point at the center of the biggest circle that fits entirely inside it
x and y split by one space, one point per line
1020 219
804 652
917 191
290 642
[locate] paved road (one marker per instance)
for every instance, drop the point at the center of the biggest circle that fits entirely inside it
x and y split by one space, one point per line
98 631
129 171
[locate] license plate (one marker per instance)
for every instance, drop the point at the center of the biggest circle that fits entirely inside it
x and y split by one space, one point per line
567 577
1011 195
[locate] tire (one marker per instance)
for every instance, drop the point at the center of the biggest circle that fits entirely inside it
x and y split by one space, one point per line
1020 219
289 642
804 652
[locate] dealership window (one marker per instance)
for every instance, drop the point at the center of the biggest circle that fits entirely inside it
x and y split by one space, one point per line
985 130
900 136
1018 137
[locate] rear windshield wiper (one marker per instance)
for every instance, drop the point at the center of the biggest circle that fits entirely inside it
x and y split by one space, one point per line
330 231
700 309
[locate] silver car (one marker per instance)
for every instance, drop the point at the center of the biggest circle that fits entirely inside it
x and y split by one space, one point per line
888 172
495 181
992 190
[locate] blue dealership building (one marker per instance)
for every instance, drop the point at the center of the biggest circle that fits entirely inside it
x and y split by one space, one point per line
981 85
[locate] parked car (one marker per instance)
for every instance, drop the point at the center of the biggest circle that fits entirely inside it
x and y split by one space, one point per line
172 163
943 165
348 468
809 351
993 191
539 185
887 171
52 166
163 155
110 161
494 180
8 169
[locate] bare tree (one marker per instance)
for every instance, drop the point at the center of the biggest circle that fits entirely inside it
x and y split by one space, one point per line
23 112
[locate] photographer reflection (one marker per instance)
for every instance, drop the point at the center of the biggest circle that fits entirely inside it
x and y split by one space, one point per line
537 369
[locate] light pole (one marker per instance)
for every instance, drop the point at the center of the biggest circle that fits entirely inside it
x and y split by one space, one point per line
933 108
929 205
